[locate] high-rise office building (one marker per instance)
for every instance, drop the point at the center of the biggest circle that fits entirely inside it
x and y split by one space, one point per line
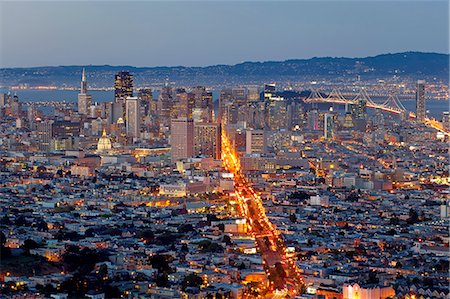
328 125
145 96
277 113
295 115
256 141
446 120
256 116
84 99
184 104
239 95
359 114
31 116
207 140
2 100
123 85
203 108
359 109
225 101
313 120
420 101
15 106
44 130
253 94
132 117
269 91
63 129
348 120
165 105
182 138
118 111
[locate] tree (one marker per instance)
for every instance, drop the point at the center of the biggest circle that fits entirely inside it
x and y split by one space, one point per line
5 252
166 238
353 196
191 280
373 278
41 226
227 240
81 261
208 246
391 232
280 270
299 195
2 239
185 228
102 272
46 290
29 244
161 262
76 286
293 218
394 220
5 220
184 248
162 279
90 232
413 216
21 221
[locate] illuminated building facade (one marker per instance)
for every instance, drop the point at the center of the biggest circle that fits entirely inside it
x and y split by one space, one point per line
256 141
420 101
328 126
207 140
84 99
269 91
182 138
123 85
44 134
313 120
132 118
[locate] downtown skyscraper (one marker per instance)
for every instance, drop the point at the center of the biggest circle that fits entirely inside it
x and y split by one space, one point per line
420 101
182 138
123 85
132 117
84 99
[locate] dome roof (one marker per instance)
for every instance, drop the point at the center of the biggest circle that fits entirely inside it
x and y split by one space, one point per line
104 143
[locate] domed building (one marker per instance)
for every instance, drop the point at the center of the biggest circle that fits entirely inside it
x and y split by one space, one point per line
104 143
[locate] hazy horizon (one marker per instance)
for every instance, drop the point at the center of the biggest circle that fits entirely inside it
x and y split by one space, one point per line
210 65
156 33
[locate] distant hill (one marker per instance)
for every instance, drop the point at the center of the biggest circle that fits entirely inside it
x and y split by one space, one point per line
407 64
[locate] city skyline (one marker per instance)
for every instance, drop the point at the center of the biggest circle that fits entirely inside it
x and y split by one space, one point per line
156 33
292 178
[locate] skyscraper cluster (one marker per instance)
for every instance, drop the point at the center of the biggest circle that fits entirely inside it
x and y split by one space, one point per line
194 128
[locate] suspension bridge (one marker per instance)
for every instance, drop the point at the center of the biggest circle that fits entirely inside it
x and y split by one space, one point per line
392 105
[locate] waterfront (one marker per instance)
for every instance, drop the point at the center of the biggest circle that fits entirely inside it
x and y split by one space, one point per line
435 107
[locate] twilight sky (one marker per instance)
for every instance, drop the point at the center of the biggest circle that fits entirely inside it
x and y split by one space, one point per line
156 33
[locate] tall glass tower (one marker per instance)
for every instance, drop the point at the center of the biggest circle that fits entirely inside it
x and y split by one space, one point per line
420 101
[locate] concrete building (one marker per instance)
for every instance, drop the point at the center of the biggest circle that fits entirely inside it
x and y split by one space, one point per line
123 85
328 126
420 101
207 140
84 99
182 138
256 141
132 117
